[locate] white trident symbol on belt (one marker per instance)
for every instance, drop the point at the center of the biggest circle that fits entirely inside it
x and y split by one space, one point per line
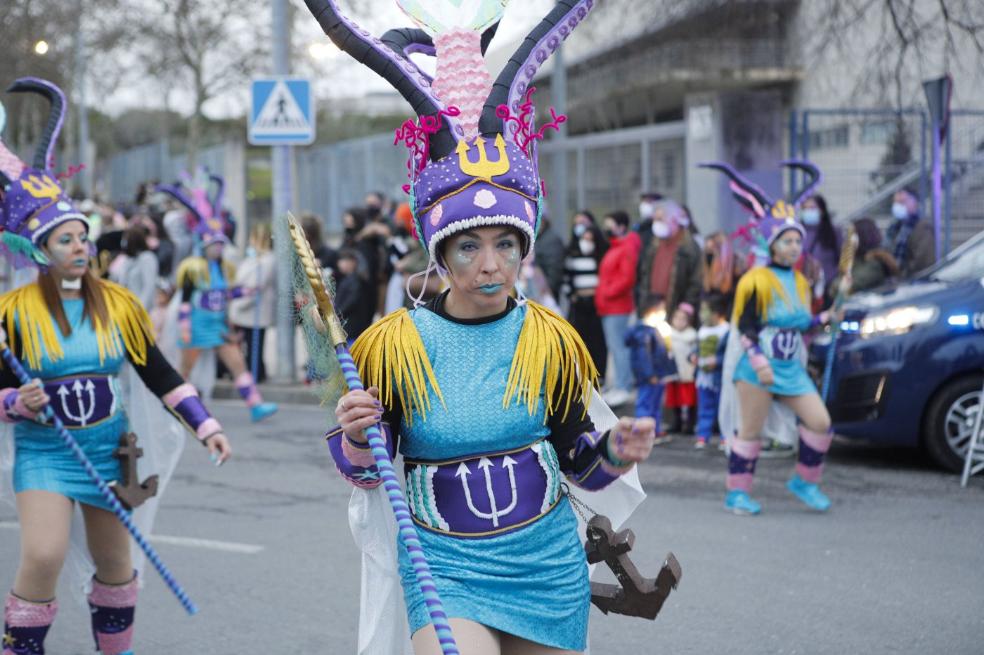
84 414
786 344
485 464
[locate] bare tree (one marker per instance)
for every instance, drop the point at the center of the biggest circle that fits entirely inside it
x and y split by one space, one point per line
201 47
900 42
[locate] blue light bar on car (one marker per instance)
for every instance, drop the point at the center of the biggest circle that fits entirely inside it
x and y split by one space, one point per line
959 320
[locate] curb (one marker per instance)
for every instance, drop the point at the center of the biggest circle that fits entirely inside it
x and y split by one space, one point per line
289 394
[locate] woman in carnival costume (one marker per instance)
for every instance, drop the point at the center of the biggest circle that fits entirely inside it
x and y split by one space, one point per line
74 333
205 287
766 382
484 396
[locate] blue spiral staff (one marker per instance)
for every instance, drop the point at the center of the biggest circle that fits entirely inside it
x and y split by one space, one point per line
312 273
407 530
107 493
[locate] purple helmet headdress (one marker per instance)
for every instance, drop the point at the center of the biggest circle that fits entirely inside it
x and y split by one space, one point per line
33 202
202 196
772 217
473 159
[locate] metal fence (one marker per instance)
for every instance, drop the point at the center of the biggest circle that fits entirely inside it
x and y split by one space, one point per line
868 154
600 172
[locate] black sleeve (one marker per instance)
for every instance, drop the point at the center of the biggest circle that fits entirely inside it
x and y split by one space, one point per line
750 323
187 289
7 376
157 374
564 432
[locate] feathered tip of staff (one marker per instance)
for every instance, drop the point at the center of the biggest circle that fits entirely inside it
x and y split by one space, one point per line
324 307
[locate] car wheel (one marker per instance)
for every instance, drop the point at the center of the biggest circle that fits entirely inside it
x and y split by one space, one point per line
950 422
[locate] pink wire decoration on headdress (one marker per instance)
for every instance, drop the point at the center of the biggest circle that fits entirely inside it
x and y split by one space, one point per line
416 135
522 124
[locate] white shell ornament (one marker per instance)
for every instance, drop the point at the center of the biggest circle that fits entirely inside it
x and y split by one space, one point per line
439 16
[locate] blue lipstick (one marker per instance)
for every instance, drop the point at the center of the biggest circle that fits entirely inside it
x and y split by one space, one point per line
489 289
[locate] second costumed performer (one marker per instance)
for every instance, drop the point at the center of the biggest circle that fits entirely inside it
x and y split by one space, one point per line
483 395
206 285
74 334
771 314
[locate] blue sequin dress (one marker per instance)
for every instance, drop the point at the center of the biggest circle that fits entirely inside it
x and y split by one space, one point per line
781 341
41 460
531 582
208 327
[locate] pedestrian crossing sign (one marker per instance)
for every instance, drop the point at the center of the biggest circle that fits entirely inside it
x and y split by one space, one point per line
281 112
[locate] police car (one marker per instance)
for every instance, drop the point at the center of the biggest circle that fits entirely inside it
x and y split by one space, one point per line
909 363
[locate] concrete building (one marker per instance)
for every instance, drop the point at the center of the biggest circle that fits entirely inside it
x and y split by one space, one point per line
741 81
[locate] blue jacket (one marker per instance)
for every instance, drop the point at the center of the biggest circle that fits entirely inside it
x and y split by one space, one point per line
648 354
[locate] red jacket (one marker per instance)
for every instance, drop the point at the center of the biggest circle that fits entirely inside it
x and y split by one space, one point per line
617 276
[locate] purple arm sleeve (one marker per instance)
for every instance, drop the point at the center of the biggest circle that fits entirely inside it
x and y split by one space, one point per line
184 403
354 460
592 469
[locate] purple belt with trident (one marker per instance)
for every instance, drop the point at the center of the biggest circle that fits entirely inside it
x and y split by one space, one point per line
81 401
484 495
780 343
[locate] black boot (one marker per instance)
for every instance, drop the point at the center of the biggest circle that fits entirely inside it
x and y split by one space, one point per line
689 420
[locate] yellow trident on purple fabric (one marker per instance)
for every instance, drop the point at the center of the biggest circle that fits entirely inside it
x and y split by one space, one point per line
483 169
41 186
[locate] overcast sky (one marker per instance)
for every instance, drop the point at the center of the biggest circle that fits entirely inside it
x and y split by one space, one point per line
336 76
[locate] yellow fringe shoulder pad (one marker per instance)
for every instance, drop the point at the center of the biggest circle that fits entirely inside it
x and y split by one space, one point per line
391 355
762 282
550 357
131 320
25 314
194 271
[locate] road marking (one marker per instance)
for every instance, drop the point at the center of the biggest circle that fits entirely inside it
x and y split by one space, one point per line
188 542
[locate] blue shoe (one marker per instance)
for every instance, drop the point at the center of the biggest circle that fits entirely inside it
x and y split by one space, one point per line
809 493
740 502
262 411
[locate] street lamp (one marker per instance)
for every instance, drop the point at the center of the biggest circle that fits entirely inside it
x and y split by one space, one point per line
320 50
41 47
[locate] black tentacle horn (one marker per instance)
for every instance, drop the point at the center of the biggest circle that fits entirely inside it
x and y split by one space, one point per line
402 74
556 26
814 178
56 117
753 189
216 199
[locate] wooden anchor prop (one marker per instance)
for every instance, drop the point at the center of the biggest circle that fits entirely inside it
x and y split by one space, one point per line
634 595
129 490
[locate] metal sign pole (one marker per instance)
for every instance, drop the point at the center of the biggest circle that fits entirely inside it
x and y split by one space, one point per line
282 195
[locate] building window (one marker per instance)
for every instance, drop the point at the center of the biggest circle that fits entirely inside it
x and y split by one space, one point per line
877 133
830 137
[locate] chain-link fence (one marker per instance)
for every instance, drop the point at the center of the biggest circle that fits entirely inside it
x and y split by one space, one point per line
601 172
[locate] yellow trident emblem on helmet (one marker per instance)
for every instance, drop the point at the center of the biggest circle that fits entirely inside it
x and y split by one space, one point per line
483 168
41 186
782 209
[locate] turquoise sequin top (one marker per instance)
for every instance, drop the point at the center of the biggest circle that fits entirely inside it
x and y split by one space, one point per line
42 461
531 582
781 341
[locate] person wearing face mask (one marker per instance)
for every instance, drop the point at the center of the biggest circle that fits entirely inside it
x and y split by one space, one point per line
771 314
671 268
647 207
823 239
614 299
585 250
74 331
910 240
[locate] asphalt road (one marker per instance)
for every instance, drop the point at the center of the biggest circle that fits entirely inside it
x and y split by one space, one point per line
896 566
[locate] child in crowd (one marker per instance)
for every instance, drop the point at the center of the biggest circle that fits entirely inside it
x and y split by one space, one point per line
158 314
651 366
712 338
681 394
